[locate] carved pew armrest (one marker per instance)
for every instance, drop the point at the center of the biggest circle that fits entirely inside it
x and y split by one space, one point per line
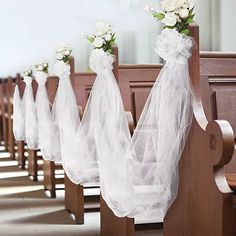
221 141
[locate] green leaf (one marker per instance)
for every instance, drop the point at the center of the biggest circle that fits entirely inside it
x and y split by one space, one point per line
159 16
185 31
191 11
90 39
189 20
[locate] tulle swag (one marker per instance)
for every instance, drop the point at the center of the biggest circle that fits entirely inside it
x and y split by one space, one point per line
102 111
18 116
139 176
47 141
31 121
102 115
65 113
141 180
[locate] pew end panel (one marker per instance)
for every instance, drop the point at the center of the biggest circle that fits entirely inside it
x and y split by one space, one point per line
74 200
204 205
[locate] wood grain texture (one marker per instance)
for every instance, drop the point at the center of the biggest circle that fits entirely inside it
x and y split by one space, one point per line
204 202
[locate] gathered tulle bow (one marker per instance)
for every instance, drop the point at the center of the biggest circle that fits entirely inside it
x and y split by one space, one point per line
100 61
62 70
173 47
28 80
41 78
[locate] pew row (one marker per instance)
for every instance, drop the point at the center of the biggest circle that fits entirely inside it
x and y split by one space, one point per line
138 90
74 194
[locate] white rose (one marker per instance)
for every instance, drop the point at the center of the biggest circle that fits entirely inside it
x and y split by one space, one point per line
170 19
59 56
67 53
98 42
40 68
101 28
172 5
108 37
45 65
183 13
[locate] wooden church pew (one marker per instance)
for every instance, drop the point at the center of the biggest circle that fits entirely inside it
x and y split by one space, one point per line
22 149
50 168
135 82
138 88
205 205
4 111
218 77
21 157
74 194
9 119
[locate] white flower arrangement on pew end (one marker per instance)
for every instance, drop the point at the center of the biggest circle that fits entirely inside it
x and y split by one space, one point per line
42 72
64 53
174 14
42 67
28 73
102 38
62 66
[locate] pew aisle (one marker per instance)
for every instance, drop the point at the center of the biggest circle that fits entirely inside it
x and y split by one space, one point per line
26 210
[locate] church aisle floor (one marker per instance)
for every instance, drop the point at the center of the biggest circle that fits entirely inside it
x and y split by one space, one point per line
25 209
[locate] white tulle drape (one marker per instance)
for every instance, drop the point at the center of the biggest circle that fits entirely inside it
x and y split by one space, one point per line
104 111
47 142
31 122
65 113
142 180
18 116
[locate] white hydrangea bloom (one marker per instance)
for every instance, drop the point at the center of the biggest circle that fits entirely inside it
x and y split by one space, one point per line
98 42
59 56
170 19
183 13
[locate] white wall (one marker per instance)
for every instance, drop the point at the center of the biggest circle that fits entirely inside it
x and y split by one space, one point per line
32 29
228 25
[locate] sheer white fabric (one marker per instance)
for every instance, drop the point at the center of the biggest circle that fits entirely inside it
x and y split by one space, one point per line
18 116
144 181
104 115
31 123
47 143
65 114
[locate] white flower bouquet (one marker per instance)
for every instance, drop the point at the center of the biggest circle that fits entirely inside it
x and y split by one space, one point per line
63 53
28 73
42 67
103 37
174 14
